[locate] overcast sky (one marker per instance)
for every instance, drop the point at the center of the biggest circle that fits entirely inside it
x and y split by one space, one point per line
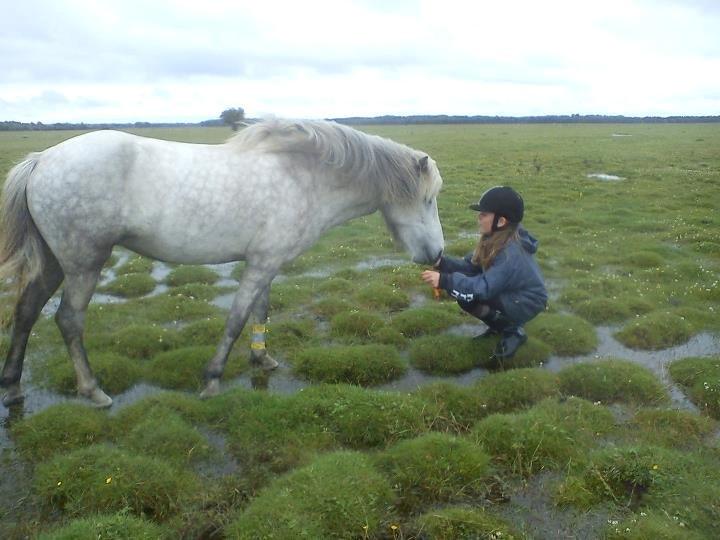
187 60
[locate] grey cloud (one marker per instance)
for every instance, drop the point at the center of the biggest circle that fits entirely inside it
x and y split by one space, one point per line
144 42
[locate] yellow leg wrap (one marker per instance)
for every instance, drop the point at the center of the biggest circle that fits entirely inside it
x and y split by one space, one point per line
258 337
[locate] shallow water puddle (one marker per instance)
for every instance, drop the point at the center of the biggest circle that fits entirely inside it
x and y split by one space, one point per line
606 177
657 361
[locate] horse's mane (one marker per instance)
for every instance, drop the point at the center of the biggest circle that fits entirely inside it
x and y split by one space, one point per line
383 165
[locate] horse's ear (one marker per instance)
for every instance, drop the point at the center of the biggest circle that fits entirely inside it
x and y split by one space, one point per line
422 165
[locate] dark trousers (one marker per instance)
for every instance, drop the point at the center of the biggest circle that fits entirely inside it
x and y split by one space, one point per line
490 313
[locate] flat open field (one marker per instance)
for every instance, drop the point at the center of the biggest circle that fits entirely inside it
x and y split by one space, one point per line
385 419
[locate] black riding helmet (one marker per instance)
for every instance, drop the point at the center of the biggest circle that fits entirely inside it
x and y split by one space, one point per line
502 201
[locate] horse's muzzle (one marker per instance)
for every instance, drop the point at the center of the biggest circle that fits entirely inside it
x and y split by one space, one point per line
428 257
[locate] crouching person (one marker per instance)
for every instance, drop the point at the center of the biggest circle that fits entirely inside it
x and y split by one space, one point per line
500 283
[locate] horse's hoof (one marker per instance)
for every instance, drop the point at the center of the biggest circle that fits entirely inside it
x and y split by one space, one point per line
268 363
99 398
13 396
212 389
263 361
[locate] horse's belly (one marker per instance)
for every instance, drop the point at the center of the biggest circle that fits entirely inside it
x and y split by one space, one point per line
188 248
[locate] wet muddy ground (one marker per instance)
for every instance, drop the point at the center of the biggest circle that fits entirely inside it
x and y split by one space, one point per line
283 381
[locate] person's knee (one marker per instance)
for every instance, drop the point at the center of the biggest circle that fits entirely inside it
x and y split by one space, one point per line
476 309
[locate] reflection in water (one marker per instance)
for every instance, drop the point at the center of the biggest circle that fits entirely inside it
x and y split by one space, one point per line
259 379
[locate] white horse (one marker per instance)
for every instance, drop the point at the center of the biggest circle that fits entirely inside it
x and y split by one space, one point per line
264 197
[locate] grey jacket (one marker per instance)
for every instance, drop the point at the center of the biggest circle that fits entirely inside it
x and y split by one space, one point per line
513 282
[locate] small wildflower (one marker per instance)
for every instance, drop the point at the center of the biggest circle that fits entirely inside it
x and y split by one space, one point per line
394 527
108 479
59 483
655 467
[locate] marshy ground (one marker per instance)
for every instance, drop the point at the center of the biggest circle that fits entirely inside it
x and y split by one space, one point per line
385 419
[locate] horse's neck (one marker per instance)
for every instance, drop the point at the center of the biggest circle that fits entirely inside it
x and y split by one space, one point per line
341 204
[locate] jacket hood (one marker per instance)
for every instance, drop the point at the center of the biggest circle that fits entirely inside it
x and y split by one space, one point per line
527 241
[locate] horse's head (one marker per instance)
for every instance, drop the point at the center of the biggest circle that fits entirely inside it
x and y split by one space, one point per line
414 222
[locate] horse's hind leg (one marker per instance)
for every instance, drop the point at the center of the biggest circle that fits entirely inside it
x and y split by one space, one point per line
258 352
70 318
27 310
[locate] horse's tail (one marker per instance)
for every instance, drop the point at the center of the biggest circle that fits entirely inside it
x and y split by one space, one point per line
21 246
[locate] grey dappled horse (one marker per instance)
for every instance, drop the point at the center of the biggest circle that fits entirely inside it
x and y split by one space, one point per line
264 197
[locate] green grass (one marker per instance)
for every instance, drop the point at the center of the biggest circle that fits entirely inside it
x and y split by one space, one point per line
58 429
444 354
613 380
339 495
654 482
120 526
135 265
700 377
656 525
130 285
115 373
566 335
168 437
207 331
142 341
184 275
551 435
434 468
641 255
426 320
385 297
183 368
356 325
365 365
656 330
451 523
603 310
512 390
106 479
457 407
362 419
671 428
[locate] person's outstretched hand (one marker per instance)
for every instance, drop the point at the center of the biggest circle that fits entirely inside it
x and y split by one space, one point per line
431 277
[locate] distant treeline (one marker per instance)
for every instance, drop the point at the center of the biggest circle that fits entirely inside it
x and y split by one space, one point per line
390 119
39 126
548 119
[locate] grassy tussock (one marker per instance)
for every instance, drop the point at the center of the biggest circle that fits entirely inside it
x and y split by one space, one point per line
454 522
642 254
566 335
434 468
613 380
339 495
364 365
700 377
106 479
120 526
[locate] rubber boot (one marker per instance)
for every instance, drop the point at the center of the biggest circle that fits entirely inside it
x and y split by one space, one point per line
496 323
512 339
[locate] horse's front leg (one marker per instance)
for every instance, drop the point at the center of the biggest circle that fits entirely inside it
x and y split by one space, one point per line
252 285
258 351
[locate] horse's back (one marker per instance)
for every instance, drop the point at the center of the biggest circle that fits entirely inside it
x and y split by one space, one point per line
175 201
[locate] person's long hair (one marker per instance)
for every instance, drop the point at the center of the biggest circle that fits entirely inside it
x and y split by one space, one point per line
490 245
